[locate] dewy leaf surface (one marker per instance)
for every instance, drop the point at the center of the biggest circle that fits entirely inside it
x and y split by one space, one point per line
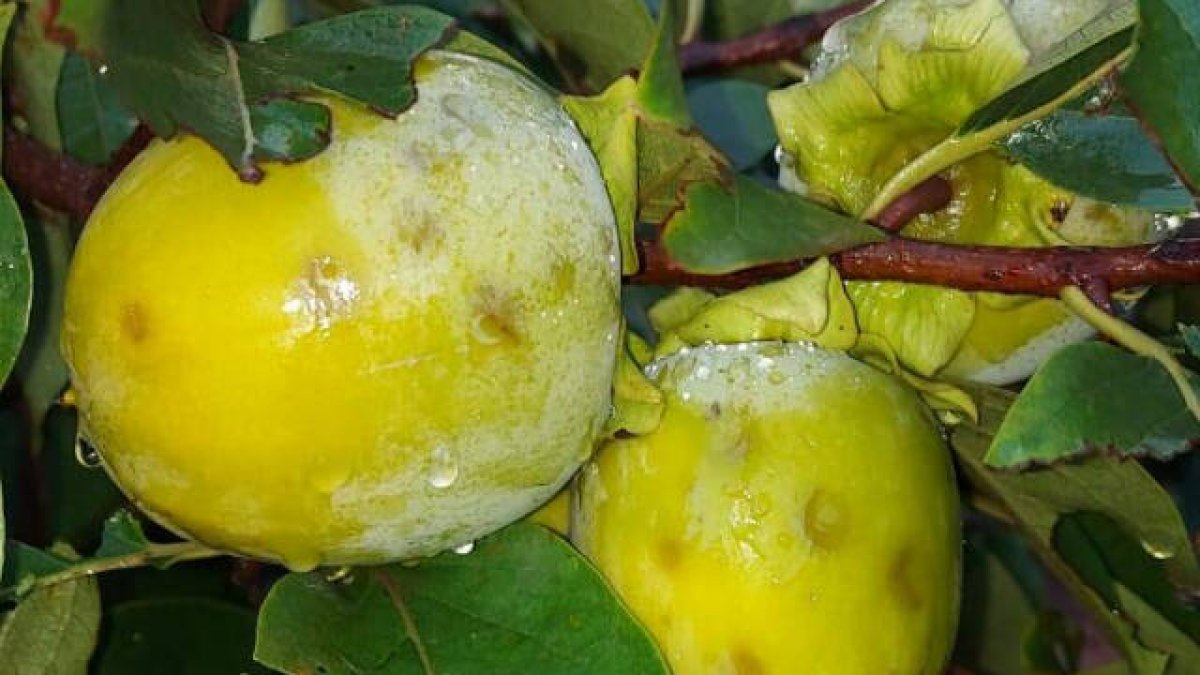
1164 79
1094 397
176 75
522 602
1108 158
1120 490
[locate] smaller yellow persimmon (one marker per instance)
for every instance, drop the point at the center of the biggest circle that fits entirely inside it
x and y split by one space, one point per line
795 512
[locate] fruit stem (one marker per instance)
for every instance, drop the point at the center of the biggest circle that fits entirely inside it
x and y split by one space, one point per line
956 148
165 554
1132 339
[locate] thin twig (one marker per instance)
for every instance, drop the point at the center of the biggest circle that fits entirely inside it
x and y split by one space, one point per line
783 40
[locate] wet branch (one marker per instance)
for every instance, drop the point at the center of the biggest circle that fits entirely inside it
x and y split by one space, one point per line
1000 269
783 40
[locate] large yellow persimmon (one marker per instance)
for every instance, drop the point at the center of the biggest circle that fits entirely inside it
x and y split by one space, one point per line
795 512
394 348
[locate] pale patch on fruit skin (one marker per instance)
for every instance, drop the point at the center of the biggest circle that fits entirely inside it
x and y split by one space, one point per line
314 351
812 525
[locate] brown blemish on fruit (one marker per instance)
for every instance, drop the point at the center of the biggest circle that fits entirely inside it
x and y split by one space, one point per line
670 554
825 521
134 323
495 318
901 582
746 663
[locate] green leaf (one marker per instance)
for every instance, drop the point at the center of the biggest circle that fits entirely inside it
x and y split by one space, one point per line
52 631
177 635
122 535
33 63
1037 500
722 230
1094 397
523 602
1107 158
660 84
1164 77
1056 71
16 282
1132 584
91 119
733 115
592 43
177 75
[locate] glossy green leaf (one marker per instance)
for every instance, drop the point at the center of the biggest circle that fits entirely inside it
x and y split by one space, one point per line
91 119
733 115
1107 158
1118 489
1058 70
1132 583
721 230
177 635
523 602
177 75
1094 397
1164 77
592 43
16 283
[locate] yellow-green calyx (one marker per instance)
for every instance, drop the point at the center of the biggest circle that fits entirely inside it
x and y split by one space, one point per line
897 80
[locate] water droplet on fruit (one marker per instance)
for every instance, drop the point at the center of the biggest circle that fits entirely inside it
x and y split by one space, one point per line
465 548
342 575
1157 552
87 455
325 292
443 471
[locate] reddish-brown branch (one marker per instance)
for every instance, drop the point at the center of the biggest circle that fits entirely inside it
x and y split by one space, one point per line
56 180
930 196
780 41
1024 271
60 181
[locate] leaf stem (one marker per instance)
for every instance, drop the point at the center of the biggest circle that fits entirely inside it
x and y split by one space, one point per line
1132 339
692 21
410 624
957 148
167 554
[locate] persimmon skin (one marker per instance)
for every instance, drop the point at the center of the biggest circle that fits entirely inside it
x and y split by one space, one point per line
391 349
794 512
